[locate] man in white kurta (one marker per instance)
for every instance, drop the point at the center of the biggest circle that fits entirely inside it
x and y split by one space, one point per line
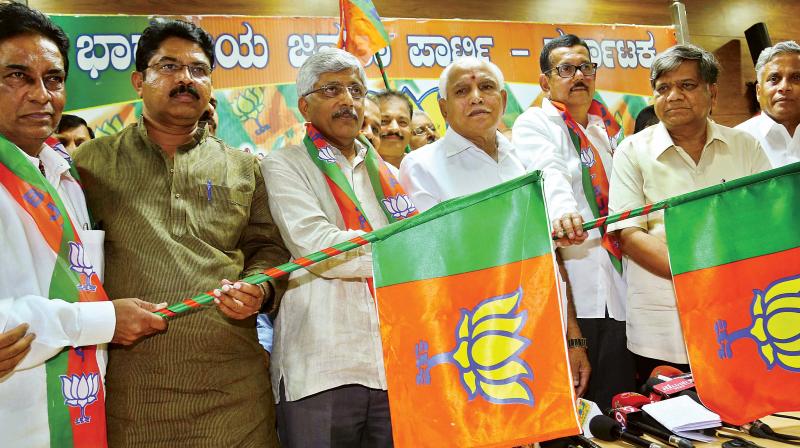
473 156
543 140
685 152
29 111
778 91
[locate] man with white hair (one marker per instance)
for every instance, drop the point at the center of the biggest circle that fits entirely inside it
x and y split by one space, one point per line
778 91
327 360
473 156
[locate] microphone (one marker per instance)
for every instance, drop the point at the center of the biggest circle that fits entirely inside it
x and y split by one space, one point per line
606 428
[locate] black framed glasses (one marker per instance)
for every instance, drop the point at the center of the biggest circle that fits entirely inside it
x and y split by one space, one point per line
170 68
425 128
357 91
569 70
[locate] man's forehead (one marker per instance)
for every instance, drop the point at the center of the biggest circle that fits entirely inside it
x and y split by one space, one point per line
346 76
26 50
565 54
466 74
685 71
785 61
176 48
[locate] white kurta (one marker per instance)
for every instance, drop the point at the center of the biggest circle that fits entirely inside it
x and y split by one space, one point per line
27 266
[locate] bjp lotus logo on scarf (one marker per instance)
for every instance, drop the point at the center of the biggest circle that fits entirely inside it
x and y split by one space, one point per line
399 206
587 157
80 391
488 352
79 264
775 327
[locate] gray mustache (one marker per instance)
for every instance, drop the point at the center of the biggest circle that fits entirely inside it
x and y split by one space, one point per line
346 113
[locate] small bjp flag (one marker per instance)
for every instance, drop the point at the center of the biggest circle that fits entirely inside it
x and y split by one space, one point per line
362 34
471 323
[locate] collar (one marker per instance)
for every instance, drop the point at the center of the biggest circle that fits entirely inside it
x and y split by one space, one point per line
455 143
555 115
55 165
766 125
199 136
662 140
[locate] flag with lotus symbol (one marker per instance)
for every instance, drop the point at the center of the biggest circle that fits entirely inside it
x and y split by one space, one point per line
735 255
471 323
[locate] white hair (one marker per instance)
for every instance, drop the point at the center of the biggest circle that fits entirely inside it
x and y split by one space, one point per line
770 53
470 61
327 60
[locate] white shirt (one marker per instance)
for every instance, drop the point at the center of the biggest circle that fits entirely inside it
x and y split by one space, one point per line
24 282
453 166
542 138
648 168
326 334
780 147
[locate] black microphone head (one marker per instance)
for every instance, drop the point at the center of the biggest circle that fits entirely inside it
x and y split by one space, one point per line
647 387
691 394
605 428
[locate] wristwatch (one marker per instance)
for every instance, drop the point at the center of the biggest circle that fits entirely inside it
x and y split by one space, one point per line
577 343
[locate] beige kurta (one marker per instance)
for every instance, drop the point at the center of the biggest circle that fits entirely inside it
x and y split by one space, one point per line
175 228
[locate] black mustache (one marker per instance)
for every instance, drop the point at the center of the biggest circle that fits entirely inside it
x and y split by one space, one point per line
346 113
386 134
579 84
183 88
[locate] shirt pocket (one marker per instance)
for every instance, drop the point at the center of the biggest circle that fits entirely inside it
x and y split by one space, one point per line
220 215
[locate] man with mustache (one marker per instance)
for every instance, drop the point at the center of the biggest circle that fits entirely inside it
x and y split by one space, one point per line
183 214
327 361
778 91
423 131
473 156
572 138
396 111
686 151
51 276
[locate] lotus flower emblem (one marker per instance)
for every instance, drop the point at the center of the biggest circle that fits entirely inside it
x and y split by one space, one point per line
248 106
488 352
80 391
400 206
775 328
326 154
78 263
587 157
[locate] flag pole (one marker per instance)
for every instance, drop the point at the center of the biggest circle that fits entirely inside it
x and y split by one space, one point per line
383 70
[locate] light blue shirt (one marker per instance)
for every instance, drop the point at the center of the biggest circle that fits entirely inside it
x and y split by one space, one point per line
264 331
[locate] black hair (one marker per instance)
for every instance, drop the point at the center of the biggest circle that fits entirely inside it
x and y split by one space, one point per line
162 29
646 118
385 94
17 19
71 122
565 41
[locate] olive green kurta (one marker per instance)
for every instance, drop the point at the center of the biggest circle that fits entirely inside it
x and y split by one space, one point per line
175 228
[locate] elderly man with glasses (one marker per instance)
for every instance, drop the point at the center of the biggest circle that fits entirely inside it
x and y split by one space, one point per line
327 361
183 214
572 138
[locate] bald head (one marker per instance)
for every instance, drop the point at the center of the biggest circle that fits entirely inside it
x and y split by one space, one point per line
468 63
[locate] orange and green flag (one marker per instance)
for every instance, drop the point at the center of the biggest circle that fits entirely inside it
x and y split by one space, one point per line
735 255
471 323
362 34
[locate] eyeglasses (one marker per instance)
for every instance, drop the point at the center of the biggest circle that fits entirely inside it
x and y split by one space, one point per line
357 91
425 128
196 71
569 70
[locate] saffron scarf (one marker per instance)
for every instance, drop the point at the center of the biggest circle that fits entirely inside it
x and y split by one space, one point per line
75 394
595 180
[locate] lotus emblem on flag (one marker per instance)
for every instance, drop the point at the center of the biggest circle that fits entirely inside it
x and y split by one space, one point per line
78 263
399 206
775 328
488 352
326 154
80 391
587 157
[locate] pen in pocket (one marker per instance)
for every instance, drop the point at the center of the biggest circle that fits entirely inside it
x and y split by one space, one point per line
208 190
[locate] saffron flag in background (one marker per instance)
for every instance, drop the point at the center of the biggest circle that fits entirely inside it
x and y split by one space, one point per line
362 34
471 323
735 256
